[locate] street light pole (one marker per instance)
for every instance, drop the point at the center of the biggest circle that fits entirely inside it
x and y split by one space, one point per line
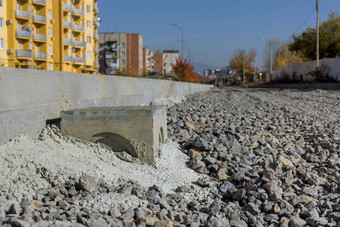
317 35
177 26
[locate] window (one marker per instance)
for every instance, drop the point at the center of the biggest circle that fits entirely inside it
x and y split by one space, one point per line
50 32
88 54
123 45
1 22
2 43
69 52
123 62
19 45
88 39
50 50
1 3
123 53
88 23
30 46
88 9
50 66
49 14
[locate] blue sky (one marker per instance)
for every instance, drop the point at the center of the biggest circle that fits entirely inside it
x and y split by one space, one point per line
214 29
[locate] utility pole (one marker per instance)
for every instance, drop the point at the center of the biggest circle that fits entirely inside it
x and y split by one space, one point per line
243 73
271 57
255 69
317 35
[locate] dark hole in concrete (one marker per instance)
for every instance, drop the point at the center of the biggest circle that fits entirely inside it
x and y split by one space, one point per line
116 142
161 136
55 121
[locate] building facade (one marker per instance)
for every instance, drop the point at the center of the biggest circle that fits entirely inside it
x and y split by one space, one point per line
148 61
121 52
59 35
165 60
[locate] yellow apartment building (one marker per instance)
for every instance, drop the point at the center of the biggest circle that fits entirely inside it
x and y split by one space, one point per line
59 35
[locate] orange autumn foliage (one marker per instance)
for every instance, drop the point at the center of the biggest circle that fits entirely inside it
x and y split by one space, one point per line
184 71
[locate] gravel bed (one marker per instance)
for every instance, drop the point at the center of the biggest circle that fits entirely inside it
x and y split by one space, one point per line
248 157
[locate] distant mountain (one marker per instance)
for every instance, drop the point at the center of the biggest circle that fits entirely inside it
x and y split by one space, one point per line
200 67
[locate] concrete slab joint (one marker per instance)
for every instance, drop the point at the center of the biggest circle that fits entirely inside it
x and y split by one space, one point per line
138 130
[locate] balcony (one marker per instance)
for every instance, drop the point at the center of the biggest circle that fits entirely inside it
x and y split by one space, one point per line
68 7
39 18
23 14
78 11
68 41
40 2
95 22
78 27
68 58
95 49
79 43
95 8
68 24
23 34
39 37
79 60
24 53
38 55
97 64
95 35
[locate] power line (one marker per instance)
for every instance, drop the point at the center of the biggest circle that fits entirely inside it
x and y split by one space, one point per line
303 24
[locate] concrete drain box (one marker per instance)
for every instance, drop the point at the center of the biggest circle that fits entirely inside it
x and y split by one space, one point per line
138 130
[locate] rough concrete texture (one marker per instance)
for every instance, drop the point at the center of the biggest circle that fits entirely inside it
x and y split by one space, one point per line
31 164
139 130
29 97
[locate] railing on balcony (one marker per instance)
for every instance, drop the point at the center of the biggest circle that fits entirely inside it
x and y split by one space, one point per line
78 27
96 22
95 49
24 53
80 60
79 43
95 35
23 33
68 41
67 7
39 18
95 8
68 24
38 55
40 37
68 58
21 13
39 1
78 11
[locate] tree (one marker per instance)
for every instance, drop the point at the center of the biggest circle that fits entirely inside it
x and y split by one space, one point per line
241 62
184 71
305 43
284 57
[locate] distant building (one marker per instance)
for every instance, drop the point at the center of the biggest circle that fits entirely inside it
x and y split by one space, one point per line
164 61
148 60
169 57
49 35
208 72
121 51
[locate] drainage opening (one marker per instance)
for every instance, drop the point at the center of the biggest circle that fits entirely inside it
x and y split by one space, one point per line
161 136
116 142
